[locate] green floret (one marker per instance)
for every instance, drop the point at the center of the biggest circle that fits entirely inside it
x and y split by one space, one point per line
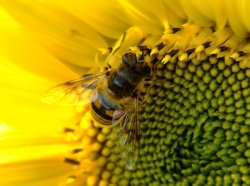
205 121
194 126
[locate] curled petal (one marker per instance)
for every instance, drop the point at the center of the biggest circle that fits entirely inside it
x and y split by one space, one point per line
109 19
64 35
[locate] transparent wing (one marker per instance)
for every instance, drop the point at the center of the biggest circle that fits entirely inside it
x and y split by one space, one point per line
127 133
79 91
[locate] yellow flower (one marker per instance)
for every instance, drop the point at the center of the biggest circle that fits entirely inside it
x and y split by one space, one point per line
195 124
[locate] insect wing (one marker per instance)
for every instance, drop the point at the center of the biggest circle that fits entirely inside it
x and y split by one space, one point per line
127 133
79 91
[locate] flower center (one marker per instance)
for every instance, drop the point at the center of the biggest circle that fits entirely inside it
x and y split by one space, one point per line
195 122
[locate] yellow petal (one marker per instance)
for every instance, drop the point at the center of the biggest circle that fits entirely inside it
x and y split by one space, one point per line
212 10
175 7
243 10
108 18
195 13
219 15
175 14
233 13
20 146
144 14
20 96
31 140
24 77
39 172
67 37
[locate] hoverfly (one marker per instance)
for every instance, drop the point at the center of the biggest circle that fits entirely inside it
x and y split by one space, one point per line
113 96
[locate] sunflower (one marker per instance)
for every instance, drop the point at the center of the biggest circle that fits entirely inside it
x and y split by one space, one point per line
195 123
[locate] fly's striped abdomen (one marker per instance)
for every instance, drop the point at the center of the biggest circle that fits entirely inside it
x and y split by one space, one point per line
103 108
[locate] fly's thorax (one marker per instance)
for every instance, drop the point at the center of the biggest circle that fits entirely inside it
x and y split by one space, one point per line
125 80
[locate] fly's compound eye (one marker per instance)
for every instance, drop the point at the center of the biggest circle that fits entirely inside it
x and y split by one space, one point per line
140 59
129 59
143 68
